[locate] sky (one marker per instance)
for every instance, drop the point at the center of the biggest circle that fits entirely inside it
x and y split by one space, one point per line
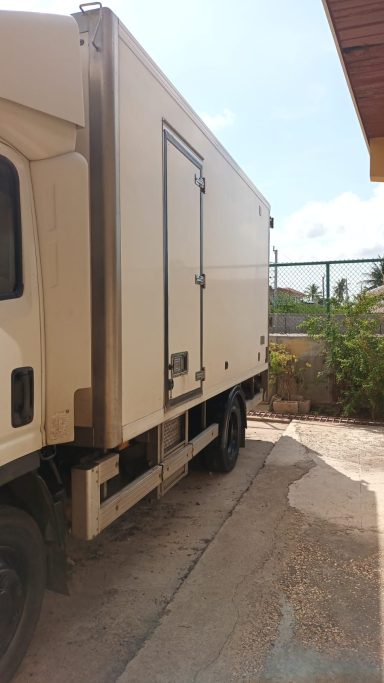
266 78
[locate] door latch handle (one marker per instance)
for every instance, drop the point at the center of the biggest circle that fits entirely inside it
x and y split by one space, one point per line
22 399
200 280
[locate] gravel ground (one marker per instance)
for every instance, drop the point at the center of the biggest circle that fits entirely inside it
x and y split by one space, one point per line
272 574
290 589
123 581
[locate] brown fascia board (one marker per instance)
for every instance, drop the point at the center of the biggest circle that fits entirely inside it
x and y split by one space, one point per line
328 13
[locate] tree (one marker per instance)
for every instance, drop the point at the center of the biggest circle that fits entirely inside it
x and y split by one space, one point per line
375 278
313 292
340 291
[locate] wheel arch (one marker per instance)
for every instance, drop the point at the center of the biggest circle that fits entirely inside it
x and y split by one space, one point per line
30 493
23 570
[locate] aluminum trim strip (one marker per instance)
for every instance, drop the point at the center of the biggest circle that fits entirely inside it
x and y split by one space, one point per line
116 505
105 231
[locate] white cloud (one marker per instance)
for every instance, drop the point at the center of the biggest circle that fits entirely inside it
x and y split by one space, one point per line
218 121
344 227
316 231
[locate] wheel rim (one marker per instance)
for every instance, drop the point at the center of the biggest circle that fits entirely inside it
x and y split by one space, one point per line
12 596
233 437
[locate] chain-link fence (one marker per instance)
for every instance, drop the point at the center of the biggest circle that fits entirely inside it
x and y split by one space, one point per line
298 290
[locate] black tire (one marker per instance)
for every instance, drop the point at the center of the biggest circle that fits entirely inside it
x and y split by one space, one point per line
221 455
23 568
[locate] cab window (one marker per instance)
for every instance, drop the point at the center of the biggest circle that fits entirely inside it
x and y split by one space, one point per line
11 281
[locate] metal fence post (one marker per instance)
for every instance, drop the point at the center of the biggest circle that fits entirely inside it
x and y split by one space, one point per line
328 285
275 251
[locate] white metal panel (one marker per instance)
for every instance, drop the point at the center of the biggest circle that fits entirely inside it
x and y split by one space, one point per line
142 275
33 134
61 199
235 248
183 264
20 340
40 64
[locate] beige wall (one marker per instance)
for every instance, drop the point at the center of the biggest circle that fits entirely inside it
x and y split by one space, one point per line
308 351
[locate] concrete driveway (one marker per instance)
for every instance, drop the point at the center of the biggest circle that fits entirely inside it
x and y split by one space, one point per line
123 582
271 573
290 589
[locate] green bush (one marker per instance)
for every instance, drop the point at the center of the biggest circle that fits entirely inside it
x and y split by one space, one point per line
287 304
354 355
284 303
285 377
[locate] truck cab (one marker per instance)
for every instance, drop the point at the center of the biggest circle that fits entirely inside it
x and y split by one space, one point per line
43 204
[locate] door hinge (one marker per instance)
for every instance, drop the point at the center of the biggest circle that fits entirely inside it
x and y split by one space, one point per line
171 384
200 280
200 182
200 375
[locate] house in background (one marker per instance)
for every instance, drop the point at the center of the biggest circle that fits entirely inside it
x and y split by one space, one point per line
286 292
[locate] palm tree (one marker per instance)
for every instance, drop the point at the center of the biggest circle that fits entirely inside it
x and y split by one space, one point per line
340 291
375 278
312 292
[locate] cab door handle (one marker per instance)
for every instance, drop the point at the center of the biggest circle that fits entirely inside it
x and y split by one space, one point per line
22 396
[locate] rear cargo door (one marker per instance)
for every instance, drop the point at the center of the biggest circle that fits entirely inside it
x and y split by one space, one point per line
184 187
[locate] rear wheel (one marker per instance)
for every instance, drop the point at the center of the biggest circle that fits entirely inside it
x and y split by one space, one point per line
22 583
222 455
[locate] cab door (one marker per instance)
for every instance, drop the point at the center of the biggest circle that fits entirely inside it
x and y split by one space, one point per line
20 331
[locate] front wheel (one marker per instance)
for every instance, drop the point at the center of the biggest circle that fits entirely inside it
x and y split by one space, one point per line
222 455
22 584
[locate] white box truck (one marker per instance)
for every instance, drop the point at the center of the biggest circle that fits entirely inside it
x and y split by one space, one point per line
133 295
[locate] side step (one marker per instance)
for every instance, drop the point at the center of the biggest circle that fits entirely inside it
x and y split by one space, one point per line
90 515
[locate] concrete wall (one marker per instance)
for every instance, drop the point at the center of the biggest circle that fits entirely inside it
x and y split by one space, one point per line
286 323
308 351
